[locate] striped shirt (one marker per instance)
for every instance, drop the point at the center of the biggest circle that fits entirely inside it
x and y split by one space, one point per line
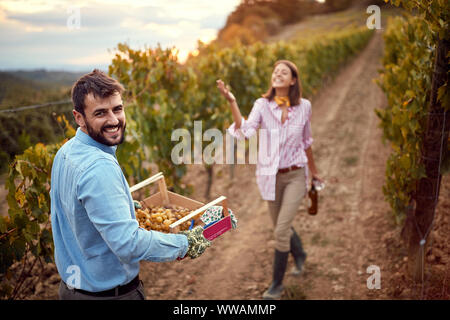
281 145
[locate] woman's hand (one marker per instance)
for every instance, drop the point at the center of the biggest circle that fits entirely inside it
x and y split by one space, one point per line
316 177
318 182
224 91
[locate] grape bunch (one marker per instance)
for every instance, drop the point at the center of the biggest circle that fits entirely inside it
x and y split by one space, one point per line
160 218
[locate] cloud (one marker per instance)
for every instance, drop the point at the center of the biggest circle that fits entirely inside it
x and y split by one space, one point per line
91 17
92 59
37 33
99 16
48 18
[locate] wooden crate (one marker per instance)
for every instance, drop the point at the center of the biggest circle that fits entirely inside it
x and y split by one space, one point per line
165 197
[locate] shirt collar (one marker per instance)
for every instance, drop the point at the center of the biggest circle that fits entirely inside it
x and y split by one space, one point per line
273 105
86 139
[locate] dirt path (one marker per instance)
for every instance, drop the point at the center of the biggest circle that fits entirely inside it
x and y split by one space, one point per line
341 241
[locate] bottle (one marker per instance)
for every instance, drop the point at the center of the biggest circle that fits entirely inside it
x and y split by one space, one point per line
313 195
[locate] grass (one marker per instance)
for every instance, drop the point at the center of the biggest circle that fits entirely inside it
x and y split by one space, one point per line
326 23
332 276
318 240
315 239
351 161
294 292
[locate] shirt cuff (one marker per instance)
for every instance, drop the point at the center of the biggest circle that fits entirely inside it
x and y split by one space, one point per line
185 248
244 132
307 143
166 246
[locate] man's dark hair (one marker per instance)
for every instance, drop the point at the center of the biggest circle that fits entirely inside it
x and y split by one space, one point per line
98 83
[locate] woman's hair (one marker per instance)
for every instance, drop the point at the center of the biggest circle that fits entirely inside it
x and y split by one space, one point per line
295 90
98 83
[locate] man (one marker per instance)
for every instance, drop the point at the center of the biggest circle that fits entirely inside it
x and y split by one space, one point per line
98 242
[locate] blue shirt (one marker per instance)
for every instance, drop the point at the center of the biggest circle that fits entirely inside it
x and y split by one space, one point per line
93 222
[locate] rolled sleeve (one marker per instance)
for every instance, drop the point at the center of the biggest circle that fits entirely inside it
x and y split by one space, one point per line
248 127
244 132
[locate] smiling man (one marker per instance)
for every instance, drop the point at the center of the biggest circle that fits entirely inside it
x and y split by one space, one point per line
101 114
98 242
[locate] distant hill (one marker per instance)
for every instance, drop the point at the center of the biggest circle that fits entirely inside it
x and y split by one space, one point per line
255 20
259 20
23 128
18 88
43 76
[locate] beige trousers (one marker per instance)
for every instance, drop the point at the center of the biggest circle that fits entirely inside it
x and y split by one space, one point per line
289 192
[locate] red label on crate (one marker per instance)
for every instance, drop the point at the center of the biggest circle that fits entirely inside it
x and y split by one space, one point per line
217 228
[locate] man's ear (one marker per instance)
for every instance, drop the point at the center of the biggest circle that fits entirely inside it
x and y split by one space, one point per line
79 118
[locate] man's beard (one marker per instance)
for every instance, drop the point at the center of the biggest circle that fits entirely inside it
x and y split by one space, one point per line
99 137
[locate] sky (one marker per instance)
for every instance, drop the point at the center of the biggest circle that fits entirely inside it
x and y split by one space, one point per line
82 35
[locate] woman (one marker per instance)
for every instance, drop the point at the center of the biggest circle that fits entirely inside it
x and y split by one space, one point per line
284 156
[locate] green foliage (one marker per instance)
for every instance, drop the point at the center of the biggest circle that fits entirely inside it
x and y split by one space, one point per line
26 228
25 128
247 69
435 13
161 96
406 80
410 45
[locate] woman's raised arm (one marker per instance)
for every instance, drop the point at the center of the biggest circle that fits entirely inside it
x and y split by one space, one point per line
237 117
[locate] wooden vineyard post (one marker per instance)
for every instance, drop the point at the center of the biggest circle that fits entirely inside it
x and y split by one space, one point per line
163 189
419 225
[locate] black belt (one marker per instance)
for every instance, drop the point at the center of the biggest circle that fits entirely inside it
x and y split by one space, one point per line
117 291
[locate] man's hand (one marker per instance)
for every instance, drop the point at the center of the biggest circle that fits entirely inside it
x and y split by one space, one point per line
197 242
137 204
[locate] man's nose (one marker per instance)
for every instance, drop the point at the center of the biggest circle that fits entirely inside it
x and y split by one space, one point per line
112 118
